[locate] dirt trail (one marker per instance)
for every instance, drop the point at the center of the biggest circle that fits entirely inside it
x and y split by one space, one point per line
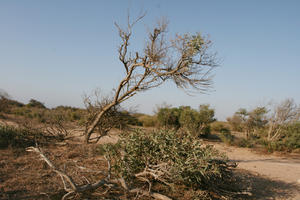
276 168
271 176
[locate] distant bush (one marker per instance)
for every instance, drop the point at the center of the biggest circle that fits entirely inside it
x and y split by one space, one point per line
289 141
148 121
130 118
6 104
195 122
243 142
220 127
249 122
16 137
168 117
291 138
227 138
24 137
36 104
70 114
168 158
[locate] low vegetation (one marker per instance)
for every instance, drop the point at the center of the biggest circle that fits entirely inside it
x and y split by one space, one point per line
169 162
276 129
23 137
195 122
164 160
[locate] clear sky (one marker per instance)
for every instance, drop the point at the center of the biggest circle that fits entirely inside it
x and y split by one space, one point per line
57 50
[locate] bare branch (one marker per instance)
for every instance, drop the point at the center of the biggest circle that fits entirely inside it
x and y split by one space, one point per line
74 187
55 169
90 187
187 60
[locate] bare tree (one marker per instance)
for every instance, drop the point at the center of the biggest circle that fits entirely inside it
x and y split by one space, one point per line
284 113
187 60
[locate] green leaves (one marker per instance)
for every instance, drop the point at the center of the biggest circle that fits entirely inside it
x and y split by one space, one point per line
195 43
185 160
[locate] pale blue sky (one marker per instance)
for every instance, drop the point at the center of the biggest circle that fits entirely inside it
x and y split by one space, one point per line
55 51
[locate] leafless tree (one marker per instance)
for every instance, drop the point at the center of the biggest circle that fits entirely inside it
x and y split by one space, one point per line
187 60
56 125
284 113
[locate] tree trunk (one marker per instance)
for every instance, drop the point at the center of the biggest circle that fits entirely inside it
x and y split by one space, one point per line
92 127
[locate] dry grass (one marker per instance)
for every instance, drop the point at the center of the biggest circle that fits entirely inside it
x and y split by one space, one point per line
24 176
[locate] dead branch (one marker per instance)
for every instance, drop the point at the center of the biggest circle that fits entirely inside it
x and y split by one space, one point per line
284 113
67 180
72 188
185 60
154 195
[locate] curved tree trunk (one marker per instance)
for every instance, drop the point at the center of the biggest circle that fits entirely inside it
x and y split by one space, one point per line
92 127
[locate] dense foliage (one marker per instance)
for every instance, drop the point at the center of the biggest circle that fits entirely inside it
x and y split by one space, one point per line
167 158
36 104
22 137
276 128
196 122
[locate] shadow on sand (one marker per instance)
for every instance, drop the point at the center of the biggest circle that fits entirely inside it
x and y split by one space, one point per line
264 188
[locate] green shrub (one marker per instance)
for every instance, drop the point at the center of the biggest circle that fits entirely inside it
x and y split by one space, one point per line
196 122
148 121
168 117
130 119
175 158
243 142
291 138
36 104
24 137
288 142
227 138
272 146
220 127
15 137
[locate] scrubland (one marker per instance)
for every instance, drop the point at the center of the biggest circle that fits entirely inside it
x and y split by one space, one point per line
178 153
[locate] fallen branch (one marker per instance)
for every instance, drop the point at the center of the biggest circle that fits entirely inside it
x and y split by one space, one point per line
72 188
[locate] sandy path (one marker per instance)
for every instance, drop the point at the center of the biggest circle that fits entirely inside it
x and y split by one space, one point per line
285 170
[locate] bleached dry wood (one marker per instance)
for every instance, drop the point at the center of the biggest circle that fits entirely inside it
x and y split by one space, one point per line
187 60
154 195
74 188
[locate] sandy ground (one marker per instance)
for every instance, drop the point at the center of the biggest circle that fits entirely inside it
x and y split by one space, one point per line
271 176
283 172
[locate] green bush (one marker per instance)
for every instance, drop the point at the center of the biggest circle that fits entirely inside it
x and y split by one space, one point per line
130 119
15 137
36 104
175 159
272 146
289 141
227 138
24 137
291 138
220 127
148 121
243 142
196 122
168 117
